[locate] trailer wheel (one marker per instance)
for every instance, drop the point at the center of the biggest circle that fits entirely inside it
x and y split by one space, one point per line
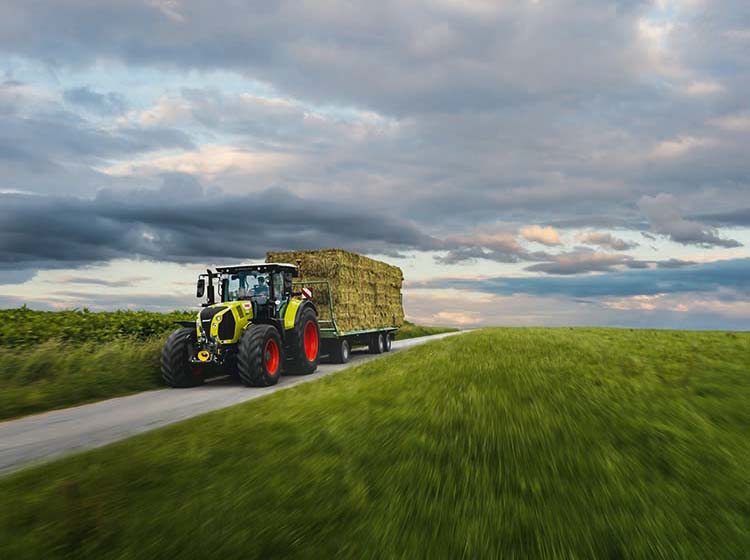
260 356
341 351
377 344
176 369
305 342
387 342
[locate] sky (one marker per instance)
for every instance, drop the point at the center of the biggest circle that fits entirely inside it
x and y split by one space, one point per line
528 162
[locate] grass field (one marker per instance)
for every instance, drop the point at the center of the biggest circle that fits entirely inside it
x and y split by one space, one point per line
589 443
53 359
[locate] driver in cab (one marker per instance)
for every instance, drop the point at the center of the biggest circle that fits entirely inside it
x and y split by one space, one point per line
261 288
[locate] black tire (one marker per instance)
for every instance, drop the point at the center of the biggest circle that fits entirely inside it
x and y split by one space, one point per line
377 343
387 342
258 364
176 369
305 351
341 351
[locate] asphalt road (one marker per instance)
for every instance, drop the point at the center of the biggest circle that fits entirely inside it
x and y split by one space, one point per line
50 435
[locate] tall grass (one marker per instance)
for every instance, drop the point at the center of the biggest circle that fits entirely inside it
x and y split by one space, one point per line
54 374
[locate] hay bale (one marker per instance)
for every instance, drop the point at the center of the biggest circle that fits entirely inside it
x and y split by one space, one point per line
366 293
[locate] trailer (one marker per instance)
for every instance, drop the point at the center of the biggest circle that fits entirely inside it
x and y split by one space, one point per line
358 299
338 343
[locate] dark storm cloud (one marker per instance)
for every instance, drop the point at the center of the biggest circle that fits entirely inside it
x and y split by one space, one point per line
739 217
665 218
585 261
172 225
123 283
708 277
65 137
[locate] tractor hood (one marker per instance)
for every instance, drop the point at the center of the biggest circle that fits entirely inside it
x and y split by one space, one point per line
220 321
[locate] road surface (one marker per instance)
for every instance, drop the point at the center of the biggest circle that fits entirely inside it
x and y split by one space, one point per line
50 435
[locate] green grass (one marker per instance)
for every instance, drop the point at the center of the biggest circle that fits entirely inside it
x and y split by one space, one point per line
588 443
55 374
410 330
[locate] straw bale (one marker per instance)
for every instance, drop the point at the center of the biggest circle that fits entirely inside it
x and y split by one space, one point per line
366 293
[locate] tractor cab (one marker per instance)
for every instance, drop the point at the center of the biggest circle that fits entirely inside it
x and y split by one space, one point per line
266 286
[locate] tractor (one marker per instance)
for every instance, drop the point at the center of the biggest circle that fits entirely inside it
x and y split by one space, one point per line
257 329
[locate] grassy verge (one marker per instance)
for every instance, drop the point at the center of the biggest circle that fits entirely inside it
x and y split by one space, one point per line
507 442
54 374
410 330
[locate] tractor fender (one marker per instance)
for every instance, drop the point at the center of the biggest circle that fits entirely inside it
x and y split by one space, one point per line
293 309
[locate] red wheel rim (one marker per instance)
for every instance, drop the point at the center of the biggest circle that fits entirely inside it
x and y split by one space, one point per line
311 341
272 356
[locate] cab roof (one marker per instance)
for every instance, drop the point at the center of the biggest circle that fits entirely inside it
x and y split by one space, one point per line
260 267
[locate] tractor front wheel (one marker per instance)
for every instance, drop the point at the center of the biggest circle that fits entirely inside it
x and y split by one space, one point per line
260 356
305 342
176 369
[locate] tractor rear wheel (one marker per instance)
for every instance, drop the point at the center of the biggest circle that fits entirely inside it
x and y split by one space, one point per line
305 342
377 343
259 356
340 351
176 369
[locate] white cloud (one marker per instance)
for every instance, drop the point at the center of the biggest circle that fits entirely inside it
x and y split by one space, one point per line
207 161
737 122
702 88
546 235
603 239
679 147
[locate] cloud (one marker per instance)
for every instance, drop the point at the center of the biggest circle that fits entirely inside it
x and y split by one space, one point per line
702 88
605 240
580 262
735 122
664 216
705 277
121 283
398 57
545 235
208 161
679 147
177 224
105 103
740 217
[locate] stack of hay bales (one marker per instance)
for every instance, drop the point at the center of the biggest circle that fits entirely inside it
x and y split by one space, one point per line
366 293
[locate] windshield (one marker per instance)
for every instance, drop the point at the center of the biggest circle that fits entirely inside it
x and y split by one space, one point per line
246 284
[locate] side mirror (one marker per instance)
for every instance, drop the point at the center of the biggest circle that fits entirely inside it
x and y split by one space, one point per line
201 288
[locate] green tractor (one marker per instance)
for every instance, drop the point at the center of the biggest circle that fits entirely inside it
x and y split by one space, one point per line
256 330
